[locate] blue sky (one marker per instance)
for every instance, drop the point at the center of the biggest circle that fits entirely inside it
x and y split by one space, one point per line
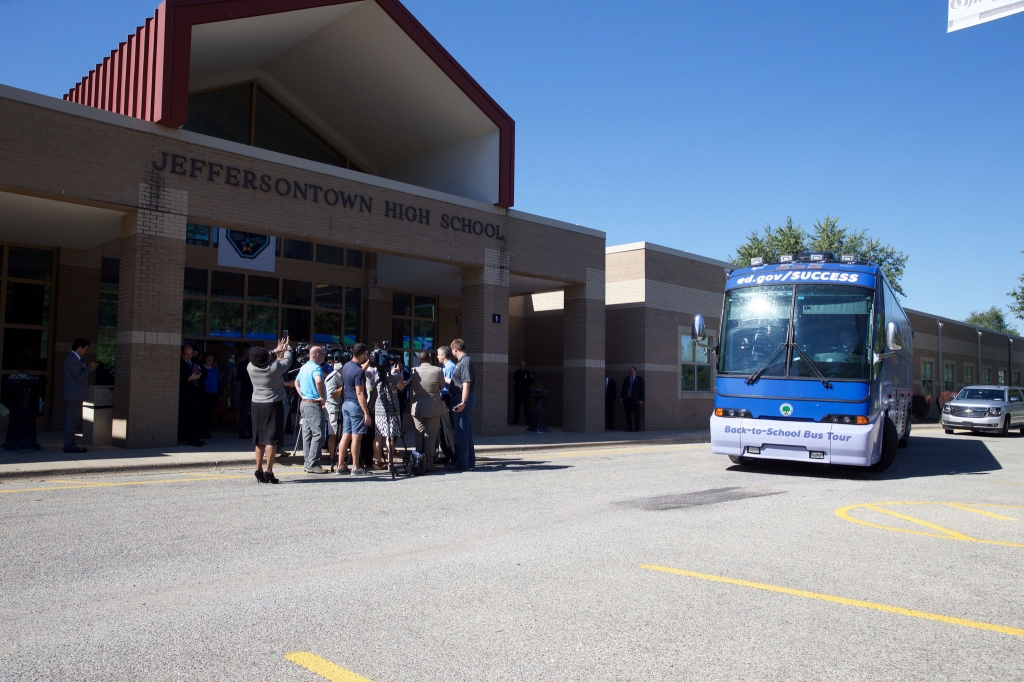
691 124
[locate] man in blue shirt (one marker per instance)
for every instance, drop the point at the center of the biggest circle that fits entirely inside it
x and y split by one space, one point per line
444 356
310 385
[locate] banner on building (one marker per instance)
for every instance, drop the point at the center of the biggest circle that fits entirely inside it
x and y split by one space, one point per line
967 13
246 250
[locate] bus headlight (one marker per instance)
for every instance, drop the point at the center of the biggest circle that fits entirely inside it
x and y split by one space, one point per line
858 419
730 412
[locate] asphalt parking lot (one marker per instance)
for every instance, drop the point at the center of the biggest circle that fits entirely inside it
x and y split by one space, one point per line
642 563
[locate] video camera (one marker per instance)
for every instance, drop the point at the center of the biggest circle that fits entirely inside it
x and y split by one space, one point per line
382 358
336 355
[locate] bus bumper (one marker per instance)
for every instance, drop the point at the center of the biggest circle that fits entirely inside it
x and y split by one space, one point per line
797 441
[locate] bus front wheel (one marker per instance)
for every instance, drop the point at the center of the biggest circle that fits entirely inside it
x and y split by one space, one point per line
890 443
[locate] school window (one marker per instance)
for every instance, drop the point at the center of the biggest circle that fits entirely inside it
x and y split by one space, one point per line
968 375
231 305
27 311
107 336
1002 377
413 323
1016 378
695 366
927 368
986 375
948 374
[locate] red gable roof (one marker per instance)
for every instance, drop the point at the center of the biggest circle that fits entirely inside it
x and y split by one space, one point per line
147 76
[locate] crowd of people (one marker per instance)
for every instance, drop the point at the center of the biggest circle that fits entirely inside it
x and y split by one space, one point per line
352 409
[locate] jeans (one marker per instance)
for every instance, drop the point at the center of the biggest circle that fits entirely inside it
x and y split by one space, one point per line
352 419
72 418
465 454
312 433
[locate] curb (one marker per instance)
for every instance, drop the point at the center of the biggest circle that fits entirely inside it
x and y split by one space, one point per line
246 458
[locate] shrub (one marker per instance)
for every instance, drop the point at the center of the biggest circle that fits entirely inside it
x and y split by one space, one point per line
921 406
945 397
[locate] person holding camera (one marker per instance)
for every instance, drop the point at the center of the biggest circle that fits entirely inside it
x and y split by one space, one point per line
267 371
462 382
388 413
310 385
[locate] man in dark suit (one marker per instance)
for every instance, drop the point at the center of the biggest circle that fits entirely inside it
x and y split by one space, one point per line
522 379
609 402
76 391
189 393
633 399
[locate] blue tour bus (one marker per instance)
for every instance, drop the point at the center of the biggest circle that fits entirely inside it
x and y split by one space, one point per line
814 364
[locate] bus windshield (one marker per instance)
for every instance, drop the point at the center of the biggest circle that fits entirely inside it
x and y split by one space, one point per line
831 324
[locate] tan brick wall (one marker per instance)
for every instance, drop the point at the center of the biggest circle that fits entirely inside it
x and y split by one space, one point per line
484 294
149 318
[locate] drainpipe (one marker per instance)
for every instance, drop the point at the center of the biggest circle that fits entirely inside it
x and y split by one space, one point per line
977 376
1009 361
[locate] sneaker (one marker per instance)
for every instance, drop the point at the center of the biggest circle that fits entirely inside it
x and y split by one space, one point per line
316 470
344 471
360 472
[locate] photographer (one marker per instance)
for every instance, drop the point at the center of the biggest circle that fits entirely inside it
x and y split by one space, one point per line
389 382
267 375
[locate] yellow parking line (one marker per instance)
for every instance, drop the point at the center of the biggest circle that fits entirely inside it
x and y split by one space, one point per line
81 486
324 668
1019 632
977 511
945 533
911 519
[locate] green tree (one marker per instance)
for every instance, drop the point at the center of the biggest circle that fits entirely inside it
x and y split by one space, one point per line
772 243
1017 299
993 318
827 235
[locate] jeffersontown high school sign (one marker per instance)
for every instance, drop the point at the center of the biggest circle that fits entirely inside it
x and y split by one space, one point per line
284 187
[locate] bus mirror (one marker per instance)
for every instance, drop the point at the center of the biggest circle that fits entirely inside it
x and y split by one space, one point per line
697 333
893 338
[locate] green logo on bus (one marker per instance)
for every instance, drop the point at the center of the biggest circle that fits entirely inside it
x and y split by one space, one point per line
786 409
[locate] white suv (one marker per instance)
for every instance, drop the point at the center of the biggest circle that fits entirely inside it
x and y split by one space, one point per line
985 408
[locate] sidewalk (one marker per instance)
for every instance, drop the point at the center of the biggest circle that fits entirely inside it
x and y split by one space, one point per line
231 451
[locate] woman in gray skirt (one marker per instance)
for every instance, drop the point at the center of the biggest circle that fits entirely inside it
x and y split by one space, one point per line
267 370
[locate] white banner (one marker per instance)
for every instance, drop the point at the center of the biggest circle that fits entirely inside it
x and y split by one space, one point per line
966 13
246 250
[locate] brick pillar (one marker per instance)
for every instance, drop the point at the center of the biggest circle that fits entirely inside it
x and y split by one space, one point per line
377 327
583 355
78 302
149 319
484 294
